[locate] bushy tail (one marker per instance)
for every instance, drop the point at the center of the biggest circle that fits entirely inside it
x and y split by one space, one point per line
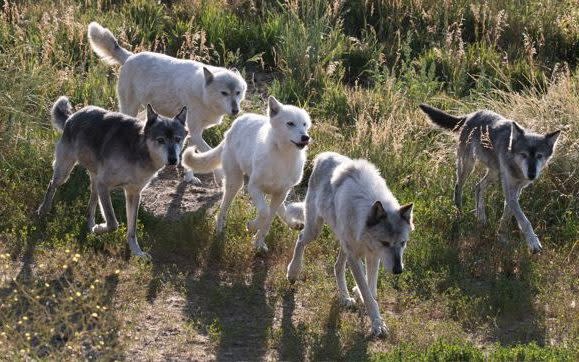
203 162
61 110
443 119
104 43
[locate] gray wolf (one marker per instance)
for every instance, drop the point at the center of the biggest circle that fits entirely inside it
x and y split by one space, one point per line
512 155
117 150
353 199
271 151
168 83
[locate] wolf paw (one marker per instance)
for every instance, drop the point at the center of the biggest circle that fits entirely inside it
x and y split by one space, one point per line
142 255
296 225
347 302
251 226
481 218
379 329
103 228
189 177
293 271
261 248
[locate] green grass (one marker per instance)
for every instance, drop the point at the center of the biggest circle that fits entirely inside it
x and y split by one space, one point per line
360 68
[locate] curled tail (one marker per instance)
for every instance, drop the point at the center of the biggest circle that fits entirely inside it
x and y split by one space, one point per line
104 43
443 119
61 110
203 162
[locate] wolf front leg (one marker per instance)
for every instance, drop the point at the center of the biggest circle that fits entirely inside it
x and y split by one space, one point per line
512 193
132 199
379 329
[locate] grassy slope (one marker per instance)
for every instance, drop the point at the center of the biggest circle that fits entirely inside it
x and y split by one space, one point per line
463 296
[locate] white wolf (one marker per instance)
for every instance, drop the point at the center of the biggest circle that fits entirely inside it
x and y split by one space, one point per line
271 151
352 197
168 83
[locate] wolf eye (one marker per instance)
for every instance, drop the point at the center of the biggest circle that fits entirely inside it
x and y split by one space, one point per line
290 124
224 93
523 155
237 93
539 156
177 139
161 140
304 124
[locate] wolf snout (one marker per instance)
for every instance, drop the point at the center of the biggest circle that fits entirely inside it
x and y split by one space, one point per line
305 138
234 110
172 160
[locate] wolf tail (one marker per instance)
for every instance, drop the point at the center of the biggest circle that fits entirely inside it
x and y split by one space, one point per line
104 43
443 119
203 162
61 110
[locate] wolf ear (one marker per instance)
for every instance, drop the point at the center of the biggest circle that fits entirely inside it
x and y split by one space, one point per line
377 213
274 106
208 76
151 116
406 212
552 138
182 116
516 132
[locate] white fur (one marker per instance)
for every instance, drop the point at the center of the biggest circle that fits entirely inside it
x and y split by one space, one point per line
169 83
344 193
262 148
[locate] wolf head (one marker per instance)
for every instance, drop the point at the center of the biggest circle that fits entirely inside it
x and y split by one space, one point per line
290 123
164 136
389 232
530 151
224 90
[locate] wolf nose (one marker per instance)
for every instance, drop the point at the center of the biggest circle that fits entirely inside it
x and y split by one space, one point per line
305 138
234 111
397 269
172 160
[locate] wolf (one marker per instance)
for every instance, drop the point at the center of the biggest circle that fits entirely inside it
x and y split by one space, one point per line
353 199
168 83
271 151
512 155
117 150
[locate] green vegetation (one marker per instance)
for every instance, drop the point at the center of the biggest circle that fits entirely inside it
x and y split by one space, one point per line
360 67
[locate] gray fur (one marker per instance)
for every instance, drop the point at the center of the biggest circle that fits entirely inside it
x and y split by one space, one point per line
117 150
511 154
353 199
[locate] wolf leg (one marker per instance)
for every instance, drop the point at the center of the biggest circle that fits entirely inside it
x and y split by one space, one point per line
107 210
62 166
266 218
479 194
92 202
372 266
379 329
340 273
313 226
464 166
132 199
231 186
512 194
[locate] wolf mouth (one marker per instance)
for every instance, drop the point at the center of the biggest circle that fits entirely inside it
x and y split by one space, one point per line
300 145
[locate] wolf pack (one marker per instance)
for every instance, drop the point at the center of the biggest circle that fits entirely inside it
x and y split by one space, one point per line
267 153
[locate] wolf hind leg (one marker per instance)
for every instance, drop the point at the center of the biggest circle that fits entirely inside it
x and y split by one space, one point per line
340 272
107 210
231 185
312 227
63 164
92 203
479 195
464 166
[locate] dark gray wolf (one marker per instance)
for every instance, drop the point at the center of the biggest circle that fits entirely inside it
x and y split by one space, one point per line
353 199
512 155
117 150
